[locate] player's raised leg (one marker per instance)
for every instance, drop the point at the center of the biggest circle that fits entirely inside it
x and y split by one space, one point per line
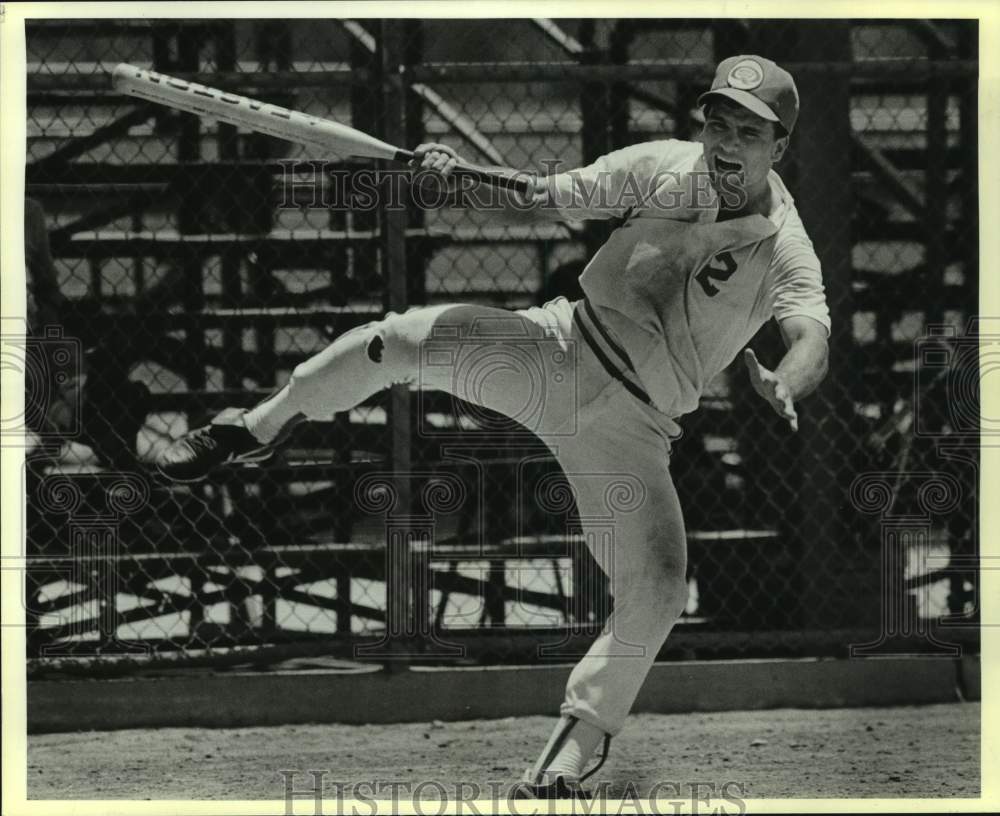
491 357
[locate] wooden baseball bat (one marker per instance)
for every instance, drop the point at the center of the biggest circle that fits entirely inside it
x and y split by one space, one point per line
274 120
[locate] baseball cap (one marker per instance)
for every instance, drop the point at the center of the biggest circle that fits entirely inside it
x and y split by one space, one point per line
759 85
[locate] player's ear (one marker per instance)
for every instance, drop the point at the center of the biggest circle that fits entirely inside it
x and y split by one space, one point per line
780 146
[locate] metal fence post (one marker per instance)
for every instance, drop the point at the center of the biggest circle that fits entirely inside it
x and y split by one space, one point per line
394 220
595 114
936 191
824 201
620 40
190 213
969 145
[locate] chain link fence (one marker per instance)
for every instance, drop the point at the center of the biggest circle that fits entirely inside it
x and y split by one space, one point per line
177 266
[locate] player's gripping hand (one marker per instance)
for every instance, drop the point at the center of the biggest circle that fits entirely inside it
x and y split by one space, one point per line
771 387
434 157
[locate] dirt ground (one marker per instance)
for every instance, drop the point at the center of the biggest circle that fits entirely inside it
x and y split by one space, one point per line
925 751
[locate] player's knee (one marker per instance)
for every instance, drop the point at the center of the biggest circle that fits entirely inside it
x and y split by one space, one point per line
391 343
673 598
393 346
664 587
671 593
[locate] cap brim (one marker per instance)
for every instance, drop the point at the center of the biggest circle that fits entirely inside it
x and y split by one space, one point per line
744 98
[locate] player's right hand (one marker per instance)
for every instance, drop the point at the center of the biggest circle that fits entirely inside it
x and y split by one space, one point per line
440 159
436 158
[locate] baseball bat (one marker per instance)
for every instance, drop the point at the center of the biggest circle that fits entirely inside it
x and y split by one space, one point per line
274 120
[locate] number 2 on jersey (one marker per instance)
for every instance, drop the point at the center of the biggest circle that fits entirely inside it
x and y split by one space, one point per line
711 272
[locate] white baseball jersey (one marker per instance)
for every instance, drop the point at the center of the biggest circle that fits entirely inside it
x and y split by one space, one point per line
679 291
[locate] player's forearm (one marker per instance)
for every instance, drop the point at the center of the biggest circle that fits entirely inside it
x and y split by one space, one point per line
804 365
508 206
439 164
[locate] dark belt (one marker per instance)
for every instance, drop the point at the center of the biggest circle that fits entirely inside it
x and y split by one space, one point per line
603 357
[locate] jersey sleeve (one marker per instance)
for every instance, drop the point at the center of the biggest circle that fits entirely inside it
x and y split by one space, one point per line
796 278
614 184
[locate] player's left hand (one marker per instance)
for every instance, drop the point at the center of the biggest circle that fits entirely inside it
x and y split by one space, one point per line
771 387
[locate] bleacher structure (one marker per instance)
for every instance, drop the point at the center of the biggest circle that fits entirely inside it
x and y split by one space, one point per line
210 249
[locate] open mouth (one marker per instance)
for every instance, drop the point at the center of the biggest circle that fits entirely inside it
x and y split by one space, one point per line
724 166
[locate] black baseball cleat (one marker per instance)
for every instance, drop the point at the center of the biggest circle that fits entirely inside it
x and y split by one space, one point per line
562 788
225 439
539 784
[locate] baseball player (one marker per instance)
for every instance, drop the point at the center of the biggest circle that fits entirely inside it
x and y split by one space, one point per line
710 249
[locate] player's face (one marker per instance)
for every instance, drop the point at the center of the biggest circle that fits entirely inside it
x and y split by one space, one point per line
740 146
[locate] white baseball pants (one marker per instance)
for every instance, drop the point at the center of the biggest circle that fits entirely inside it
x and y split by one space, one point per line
536 367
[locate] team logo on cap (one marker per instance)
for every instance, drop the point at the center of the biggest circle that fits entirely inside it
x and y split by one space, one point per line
745 75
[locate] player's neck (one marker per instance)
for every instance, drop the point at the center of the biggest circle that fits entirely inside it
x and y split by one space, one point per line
757 202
